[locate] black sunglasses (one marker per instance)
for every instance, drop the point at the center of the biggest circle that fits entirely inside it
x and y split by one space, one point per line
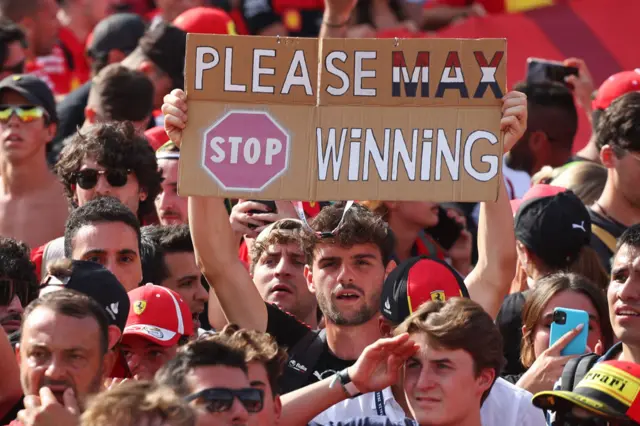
219 400
88 178
10 288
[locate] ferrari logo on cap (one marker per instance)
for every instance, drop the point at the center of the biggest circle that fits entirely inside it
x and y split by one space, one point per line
438 296
139 307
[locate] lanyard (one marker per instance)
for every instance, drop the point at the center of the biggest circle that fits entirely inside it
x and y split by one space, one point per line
380 404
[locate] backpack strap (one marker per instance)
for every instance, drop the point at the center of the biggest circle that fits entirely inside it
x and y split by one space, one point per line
606 237
575 370
303 358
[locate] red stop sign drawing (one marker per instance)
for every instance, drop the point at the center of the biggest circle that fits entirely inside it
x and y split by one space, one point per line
245 150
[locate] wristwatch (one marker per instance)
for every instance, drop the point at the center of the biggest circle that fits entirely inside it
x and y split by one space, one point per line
348 386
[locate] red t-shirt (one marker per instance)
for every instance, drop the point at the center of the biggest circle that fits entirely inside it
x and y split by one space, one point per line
496 6
66 68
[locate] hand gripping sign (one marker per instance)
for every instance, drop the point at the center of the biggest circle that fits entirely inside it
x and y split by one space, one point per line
307 119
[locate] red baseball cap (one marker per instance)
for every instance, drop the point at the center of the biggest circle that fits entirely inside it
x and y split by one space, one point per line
156 136
616 86
536 191
159 315
205 20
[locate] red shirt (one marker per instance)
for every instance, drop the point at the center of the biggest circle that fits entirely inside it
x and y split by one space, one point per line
496 6
66 68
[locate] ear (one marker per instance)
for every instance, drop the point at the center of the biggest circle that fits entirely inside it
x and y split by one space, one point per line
52 129
90 114
114 334
115 56
523 255
537 141
142 194
277 408
109 361
608 157
308 275
485 379
390 267
524 329
384 326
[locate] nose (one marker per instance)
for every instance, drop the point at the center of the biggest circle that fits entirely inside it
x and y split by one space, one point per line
14 121
102 186
282 268
164 200
630 290
238 413
15 306
55 370
346 274
426 380
201 293
133 361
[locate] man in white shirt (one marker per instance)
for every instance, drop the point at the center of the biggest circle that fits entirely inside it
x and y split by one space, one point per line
411 284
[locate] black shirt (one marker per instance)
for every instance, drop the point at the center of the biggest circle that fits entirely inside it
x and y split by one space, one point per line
288 331
612 227
509 321
70 117
301 18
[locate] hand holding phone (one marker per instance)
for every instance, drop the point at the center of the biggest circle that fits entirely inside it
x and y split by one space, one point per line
544 70
565 321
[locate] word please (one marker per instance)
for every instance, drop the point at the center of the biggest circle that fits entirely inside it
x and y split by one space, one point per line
354 73
371 156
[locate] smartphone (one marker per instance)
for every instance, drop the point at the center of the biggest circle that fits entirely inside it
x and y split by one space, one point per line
447 231
271 205
541 70
565 320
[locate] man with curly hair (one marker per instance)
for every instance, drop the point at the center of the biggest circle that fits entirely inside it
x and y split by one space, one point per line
18 283
105 160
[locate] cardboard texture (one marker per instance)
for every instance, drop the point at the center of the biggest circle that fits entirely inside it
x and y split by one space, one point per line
334 119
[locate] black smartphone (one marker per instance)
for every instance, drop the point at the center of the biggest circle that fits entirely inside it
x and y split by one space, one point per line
447 231
271 205
541 70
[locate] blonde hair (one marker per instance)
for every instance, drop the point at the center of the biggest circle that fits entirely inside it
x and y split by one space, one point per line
585 179
132 402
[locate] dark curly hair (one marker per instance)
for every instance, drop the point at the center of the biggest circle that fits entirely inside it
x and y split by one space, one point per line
112 145
16 265
619 125
360 226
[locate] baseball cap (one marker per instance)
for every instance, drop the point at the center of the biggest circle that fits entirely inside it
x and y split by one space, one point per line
120 31
536 191
616 86
168 151
555 228
156 136
165 45
205 20
416 281
100 284
159 315
34 90
610 389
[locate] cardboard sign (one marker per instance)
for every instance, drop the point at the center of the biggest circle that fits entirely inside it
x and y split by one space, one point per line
335 119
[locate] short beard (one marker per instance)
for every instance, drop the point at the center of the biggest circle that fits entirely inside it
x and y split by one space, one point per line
332 314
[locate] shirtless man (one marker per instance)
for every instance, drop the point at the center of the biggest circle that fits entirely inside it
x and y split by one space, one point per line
33 207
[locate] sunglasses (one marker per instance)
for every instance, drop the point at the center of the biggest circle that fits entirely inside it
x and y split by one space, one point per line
297 206
10 288
26 113
88 178
219 400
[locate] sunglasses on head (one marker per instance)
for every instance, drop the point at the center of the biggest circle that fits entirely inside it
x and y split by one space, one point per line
219 400
88 178
10 288
26 113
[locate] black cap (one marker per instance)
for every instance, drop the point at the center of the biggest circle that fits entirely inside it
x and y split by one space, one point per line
416 281
554 228
100 284
165 45
34 90
120 31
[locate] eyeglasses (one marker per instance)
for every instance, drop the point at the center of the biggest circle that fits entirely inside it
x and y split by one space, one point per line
88 178
10 288
297 205
219 400
26 113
